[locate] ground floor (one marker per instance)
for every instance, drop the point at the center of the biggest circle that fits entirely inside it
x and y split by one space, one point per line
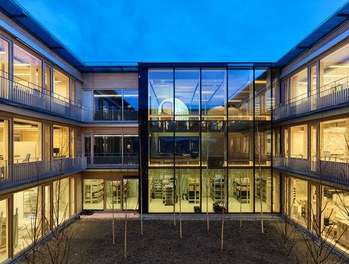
318 207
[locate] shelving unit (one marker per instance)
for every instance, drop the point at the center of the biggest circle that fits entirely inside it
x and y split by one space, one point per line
94 192
266 187
157 189
116 195
2 231
217 189
241 190
30 201
193 191
168 191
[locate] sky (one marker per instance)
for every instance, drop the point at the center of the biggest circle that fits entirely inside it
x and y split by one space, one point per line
129 31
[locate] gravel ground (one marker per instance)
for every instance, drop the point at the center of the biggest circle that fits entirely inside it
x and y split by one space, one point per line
92 243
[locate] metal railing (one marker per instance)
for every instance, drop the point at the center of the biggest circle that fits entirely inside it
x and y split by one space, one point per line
329 171
13 175
329 96
16 90
113 160
115 115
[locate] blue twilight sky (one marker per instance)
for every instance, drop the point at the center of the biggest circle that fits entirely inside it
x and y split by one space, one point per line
180 30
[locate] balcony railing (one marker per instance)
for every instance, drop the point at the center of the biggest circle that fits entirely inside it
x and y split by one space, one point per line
329 171
28 172
18 91
115 115
112 160
329 96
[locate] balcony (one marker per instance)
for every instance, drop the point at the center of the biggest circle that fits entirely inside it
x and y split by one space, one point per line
112 160
17 91
18 174
329 171
332 95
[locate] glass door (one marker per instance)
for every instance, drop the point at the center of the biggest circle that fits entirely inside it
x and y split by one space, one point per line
130 193
113 195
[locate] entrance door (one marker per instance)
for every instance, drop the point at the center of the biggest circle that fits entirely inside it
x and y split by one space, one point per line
130 193
113 195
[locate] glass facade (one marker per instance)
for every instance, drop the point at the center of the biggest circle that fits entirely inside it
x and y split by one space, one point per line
204 124
4 222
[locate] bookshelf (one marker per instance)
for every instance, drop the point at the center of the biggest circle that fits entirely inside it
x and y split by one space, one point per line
94 191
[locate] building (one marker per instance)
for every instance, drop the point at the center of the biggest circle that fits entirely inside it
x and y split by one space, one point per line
154 136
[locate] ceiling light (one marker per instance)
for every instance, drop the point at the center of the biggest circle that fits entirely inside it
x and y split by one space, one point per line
338 66
21 64
260 81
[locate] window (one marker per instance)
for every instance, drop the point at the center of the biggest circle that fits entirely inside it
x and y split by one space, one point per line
60 141
27 141
299 86
27 69
4 232
299 142
61 87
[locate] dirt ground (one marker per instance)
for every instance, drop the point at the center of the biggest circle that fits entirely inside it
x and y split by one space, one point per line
92 243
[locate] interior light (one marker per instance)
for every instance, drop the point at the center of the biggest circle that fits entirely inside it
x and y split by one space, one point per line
260 81
339 66
21 64
2 52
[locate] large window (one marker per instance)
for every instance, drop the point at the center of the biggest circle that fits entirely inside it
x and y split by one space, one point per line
27 69
4 232
27 137
108 149
241 190
334 70
4 144
61 210
334 140
4 58
299 201
299 142
115 104
61 87
26 218
60 141
299 86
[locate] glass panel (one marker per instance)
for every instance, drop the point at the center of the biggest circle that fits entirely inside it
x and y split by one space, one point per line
188 190
213 93
47 142
60 201
47 80
27 69
299 142
161 92
299 201
187 94
130 104
72 143
187 143
4 58
263 190
4 147
130 193
47 208
263 143
240 143
26 222
131 149
161 190
213 190
161 143
107 149
60 141
240 190
334 217
213 135
72 196
27 141
313 147
276 192
240 94
87 148
263 100
299 87
286 140
113 194
334 140
108 104
4 230
334 70
313 86
93 195
61 87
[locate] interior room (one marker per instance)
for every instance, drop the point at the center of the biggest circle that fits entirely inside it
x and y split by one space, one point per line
27 137
27 69
61 87
4 130
299 142
299 200
60 141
